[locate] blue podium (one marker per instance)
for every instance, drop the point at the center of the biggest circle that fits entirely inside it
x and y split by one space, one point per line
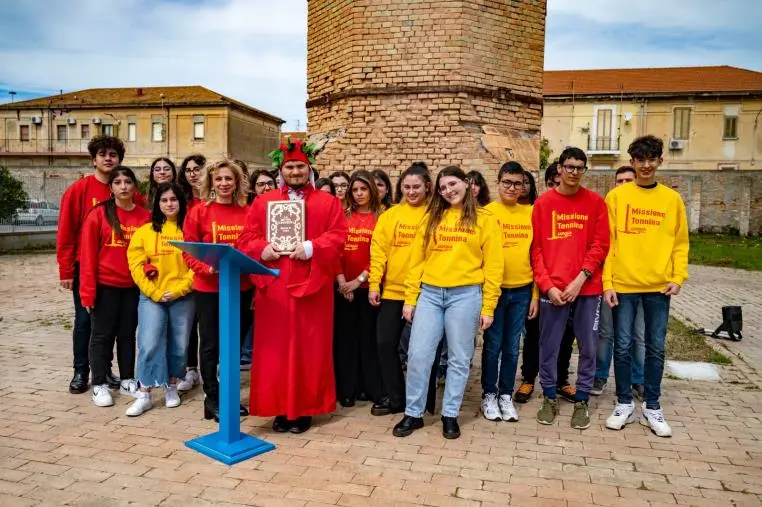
228 444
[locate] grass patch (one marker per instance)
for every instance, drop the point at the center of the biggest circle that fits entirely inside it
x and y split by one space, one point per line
684 344
726 251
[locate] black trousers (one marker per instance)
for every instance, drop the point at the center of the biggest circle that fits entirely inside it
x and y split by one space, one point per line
530 355
355 352
82 330
192 361
115 316
389 329
208 312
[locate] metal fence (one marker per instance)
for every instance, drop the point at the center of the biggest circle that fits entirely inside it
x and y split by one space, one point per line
44 189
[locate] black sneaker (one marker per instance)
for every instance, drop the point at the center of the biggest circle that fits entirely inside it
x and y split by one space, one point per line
524 392
385 407
599 384
567 392
450 428
407 426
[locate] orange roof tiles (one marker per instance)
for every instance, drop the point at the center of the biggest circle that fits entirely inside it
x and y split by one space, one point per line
670 80
171 96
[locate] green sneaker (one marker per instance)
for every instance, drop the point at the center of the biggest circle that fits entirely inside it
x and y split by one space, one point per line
581 417
548 411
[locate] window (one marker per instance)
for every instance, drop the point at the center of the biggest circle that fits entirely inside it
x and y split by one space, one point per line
682 123
24 133
108 130
132 132
730 130
198 128
603 130
61 132
157 131
85 131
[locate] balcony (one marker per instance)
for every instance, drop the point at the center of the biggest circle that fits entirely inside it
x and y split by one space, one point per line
602 145
43 147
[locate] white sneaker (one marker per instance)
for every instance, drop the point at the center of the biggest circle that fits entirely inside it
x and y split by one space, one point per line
102 396
654 419
190 380
171 398
623 414
490 408
141 404
128 386
507 409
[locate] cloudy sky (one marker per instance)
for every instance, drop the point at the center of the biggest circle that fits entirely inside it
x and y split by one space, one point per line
255 50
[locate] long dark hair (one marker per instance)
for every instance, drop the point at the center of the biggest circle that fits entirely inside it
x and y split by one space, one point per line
152 183
415 169
388 200
157 217
182 179
476 178
365 177
532 196
109 204
438 205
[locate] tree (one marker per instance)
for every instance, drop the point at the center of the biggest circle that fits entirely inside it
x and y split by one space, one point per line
12 195
545 153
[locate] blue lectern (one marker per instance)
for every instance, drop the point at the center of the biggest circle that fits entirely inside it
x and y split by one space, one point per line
228 445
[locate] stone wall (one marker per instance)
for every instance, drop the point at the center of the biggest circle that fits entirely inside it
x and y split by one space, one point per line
446 82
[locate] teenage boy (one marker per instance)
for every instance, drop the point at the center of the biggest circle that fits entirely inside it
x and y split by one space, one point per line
517 300
106 152
571 240
624 174
530 354
647 264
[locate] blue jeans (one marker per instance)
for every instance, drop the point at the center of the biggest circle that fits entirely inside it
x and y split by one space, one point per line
656 315
453 310
606 345
163 331
503 337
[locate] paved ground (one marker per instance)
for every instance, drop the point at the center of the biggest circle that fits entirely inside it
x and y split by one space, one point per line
57 448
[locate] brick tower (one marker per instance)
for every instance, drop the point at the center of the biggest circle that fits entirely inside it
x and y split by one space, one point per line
446 82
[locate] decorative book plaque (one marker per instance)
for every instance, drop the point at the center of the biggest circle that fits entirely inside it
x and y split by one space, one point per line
285 224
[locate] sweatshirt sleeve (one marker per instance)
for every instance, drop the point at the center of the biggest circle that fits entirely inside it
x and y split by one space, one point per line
541 276
328 247
599 247
137 259
416 264
184 287
68 231
88 266
492 251
608 266
680 248
379 245
192 233
253 239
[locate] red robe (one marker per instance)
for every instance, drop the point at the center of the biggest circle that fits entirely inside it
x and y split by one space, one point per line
292 359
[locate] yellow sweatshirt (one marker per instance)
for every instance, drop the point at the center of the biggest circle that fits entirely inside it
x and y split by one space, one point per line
150 247
516 223
390 249
456 257
649 239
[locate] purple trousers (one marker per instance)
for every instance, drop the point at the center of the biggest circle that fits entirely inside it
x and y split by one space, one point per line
584 314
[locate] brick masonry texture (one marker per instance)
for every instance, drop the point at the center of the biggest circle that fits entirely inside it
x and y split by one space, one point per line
447 82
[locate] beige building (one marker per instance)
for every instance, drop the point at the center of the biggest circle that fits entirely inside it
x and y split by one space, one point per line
708 117
159 121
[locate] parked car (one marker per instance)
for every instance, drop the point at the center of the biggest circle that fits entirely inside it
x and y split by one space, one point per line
38 213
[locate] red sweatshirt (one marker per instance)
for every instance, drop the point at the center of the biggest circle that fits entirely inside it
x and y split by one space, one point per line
103 257
356 256
76 202
213 223
571 233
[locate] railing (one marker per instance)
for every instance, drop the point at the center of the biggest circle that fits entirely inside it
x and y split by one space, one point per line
43 146
603 144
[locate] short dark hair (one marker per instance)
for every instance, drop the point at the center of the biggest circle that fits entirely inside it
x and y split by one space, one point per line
572 152
325 182
511 167
339 174
625 169
551 171
646 147
99 143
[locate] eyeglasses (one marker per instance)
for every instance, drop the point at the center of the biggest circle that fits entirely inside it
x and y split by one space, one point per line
571 169
653 162
341 185
193 170
263 184
508 184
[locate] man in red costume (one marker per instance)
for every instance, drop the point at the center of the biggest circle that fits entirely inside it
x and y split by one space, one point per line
292 361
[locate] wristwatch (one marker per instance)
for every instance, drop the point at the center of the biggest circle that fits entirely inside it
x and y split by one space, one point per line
361 278
587 273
